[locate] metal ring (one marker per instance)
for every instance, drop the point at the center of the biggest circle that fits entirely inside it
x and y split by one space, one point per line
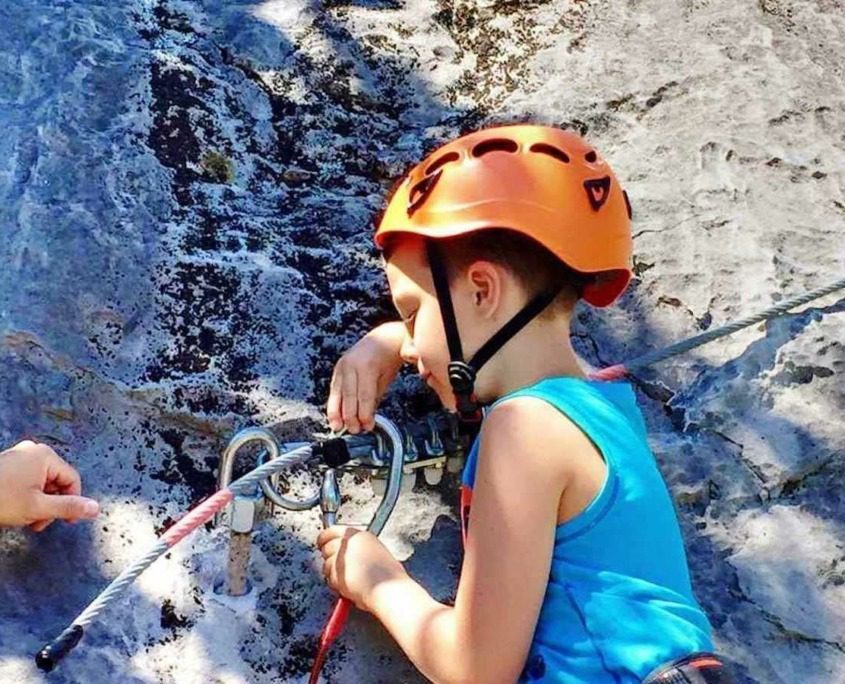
270 491
227 460
243 437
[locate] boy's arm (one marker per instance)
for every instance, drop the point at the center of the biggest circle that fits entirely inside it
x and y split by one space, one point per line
362 375
520 478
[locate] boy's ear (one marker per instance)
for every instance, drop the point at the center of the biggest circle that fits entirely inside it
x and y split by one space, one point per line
484 279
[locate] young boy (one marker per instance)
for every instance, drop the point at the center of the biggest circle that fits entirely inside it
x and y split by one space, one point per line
574 568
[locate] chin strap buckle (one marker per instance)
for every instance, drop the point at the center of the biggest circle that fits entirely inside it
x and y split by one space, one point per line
461 377
462 380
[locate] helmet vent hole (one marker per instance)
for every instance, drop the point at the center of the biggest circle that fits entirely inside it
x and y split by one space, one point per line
550 150
495 145
445 159
591 156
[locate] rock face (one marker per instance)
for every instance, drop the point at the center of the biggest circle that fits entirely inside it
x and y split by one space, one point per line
185 197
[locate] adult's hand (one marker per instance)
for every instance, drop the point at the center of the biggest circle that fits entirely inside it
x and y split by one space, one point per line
37 486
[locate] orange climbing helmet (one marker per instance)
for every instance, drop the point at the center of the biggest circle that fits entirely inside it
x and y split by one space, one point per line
542 182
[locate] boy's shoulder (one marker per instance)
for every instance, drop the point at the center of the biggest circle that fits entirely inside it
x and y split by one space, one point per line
532 432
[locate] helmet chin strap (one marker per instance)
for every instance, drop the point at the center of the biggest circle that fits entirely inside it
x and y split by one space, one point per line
462 374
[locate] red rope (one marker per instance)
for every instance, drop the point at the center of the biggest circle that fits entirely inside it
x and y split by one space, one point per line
332 630
610 373
196 517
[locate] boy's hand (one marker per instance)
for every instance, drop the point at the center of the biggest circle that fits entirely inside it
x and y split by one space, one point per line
37 486
355 562
361 377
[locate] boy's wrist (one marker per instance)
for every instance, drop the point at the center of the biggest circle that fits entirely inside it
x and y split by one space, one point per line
389 593
393 330
390 337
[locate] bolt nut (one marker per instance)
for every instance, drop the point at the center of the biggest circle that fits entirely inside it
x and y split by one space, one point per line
433 475
245 513
408 482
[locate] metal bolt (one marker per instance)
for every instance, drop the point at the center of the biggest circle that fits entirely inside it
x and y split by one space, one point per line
245 513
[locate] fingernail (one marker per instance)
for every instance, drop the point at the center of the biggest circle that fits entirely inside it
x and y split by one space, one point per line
91 508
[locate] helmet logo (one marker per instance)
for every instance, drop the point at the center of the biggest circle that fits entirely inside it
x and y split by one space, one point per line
420 191
628 205
598 190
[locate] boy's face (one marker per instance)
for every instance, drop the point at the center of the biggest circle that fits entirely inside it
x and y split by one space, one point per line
412 289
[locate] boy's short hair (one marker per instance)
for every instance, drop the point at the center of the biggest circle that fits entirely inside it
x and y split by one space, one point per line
534 266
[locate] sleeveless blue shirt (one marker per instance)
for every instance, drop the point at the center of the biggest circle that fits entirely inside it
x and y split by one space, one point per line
618 601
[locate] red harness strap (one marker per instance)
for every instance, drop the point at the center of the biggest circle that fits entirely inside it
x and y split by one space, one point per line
466 503
698 668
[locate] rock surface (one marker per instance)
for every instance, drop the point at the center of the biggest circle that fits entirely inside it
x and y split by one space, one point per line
185 197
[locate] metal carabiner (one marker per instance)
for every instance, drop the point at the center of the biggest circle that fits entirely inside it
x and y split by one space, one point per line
337 619
394 479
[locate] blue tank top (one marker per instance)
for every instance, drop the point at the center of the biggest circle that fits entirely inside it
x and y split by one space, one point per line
618 601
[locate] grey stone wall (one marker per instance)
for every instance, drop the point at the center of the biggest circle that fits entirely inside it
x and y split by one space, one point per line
185 197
